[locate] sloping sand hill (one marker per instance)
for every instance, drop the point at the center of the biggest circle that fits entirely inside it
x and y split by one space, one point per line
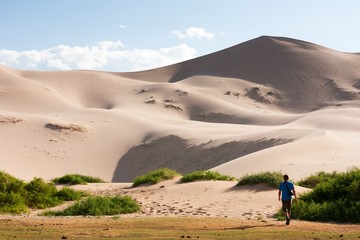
268 104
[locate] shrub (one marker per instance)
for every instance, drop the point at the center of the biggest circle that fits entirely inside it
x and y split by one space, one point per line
315 179
273 179
12 203
17 196
205 175
341 186
74 179
68 194
40 194
9 183
96 206
336 199
155 176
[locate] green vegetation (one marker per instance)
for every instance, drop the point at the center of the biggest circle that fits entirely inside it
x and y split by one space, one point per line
68 194
334 199
273 179
98 205
74 179
155 176
11 194
16 196
206 175
40 194
315 179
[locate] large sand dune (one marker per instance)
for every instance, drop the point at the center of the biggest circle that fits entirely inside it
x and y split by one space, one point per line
267 104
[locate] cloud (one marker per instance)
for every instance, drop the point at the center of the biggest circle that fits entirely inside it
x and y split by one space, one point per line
105 55
194 33
122 26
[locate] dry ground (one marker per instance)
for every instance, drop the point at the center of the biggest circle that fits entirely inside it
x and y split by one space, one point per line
168 228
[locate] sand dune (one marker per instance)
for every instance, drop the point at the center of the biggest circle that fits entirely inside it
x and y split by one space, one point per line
270 103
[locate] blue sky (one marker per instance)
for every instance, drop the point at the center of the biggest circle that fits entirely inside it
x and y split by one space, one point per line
130 35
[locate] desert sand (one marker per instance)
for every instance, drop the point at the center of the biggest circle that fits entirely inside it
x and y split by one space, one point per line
172 198
268 104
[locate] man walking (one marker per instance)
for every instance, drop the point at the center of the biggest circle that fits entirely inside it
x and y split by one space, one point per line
286 191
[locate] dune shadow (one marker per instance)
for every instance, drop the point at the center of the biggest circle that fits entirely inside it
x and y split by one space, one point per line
178 154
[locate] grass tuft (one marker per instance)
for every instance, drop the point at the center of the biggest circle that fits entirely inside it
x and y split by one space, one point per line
206 175
273 179
315 179
98 206
74 179
69 194
155 176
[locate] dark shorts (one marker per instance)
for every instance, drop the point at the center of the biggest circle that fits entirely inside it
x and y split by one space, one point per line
286 205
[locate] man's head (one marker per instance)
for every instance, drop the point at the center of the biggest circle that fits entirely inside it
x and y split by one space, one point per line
286 177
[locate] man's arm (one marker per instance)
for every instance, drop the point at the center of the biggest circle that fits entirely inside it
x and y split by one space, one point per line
294 194
279 195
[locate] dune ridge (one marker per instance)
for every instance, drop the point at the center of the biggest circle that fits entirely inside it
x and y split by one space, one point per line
270 103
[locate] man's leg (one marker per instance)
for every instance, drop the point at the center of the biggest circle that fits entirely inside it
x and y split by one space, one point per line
288 212
286 207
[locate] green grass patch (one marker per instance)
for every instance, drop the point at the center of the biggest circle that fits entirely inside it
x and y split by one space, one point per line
41 194
74 179
17 196
273 179
155 176
12 193
98 205
315 179
9 183
206 175
69 194
334 199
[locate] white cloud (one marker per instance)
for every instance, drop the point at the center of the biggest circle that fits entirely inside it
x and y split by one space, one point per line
122 26
194 33
178 34
105 55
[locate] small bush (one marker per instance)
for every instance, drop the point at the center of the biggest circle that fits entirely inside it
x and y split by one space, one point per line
74 179
12 203
335 199
96 206
205 175
315 179
155 176
68 194
40 194
17 196
273 179
9 183
341 186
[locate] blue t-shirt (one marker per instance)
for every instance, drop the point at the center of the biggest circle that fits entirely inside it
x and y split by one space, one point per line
285 189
